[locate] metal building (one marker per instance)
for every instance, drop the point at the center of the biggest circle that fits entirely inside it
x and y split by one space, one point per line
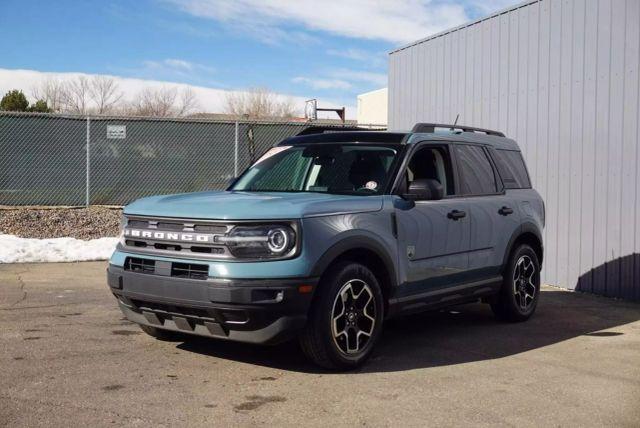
561 77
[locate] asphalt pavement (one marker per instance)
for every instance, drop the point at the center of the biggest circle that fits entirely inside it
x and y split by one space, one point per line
68 358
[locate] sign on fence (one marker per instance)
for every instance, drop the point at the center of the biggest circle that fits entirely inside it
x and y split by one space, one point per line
116 132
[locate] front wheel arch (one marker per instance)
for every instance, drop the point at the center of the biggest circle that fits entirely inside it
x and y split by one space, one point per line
366 251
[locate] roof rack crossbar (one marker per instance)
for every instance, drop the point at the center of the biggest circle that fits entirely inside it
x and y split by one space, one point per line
324 129
430 127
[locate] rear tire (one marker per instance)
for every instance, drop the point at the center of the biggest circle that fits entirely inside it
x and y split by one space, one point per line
345 318
520 289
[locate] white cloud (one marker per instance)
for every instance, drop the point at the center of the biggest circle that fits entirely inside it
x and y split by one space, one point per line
210 100
378 79
344 79
373 59
396 21
351 53
484 7
171 68
178 64
322 83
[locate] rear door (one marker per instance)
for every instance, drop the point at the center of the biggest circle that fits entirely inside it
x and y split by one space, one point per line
492 214
433 236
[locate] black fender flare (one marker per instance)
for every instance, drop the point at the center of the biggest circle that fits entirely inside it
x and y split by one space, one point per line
356 242
527 227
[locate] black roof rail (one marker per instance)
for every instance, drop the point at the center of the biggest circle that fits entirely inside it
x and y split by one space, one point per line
431 127
328 129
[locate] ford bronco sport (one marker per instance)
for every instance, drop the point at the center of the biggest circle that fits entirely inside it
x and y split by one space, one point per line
329 234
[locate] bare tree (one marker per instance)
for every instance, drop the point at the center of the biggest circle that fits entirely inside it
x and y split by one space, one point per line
286 108
259 103
187 102
76 95
52 91
155 102
105 94
102 95
164 102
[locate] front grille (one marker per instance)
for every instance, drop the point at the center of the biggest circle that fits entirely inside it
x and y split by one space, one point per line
138 223
167 247
178 226
208 250
140 265
170 226
210 228
189 270
163 236
178 270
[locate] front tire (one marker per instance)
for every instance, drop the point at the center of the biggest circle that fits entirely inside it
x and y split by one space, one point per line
520 290
345 318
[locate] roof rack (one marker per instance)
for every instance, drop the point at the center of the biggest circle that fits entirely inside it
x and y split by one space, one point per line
431 127
328 129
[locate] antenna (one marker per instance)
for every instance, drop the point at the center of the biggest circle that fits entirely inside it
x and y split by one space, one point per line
455 122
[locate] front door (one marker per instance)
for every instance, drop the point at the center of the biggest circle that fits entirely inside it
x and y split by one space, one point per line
433 236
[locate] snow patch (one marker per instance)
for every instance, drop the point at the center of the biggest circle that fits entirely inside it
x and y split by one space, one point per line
14 249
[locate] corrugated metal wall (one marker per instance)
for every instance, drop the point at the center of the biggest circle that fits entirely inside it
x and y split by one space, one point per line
561 77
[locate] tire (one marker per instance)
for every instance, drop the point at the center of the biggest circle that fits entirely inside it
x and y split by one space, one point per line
520 291
160 334
348 302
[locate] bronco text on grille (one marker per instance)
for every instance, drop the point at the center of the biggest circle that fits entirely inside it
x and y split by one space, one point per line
168 236
164 236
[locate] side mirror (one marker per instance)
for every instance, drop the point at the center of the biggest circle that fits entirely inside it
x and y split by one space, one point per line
424 189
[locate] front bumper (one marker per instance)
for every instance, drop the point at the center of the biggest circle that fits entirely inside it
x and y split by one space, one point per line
262 311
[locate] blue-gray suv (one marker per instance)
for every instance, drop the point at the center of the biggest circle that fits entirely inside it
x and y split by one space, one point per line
329 234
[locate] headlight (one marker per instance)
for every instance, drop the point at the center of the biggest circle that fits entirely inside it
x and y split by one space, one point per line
268 241
123 223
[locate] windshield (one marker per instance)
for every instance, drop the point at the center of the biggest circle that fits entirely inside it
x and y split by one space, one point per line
328 168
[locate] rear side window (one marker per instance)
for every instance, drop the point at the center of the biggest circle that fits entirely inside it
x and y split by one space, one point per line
477 176
512 169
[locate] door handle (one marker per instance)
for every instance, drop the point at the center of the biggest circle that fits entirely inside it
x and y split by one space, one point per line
455 214
505 211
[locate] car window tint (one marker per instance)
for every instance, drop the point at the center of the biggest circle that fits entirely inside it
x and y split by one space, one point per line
512 169
477 177
432 163
287 174
329 168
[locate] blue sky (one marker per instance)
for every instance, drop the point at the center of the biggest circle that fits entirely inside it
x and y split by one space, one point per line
326 49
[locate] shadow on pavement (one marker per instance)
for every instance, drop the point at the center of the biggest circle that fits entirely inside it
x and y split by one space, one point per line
454 336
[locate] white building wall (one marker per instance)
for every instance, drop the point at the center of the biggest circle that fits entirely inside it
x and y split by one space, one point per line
560 77
372 107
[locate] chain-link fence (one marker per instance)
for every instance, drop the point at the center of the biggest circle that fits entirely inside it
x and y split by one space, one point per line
48 159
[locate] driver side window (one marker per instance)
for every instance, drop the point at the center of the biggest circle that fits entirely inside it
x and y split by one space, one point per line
432 163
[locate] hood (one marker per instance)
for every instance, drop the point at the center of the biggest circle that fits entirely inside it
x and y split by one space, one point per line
236 205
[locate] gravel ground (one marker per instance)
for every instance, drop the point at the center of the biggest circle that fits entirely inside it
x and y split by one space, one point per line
68 358
80 223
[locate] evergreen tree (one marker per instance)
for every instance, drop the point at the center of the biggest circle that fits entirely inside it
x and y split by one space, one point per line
39 106
14 101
